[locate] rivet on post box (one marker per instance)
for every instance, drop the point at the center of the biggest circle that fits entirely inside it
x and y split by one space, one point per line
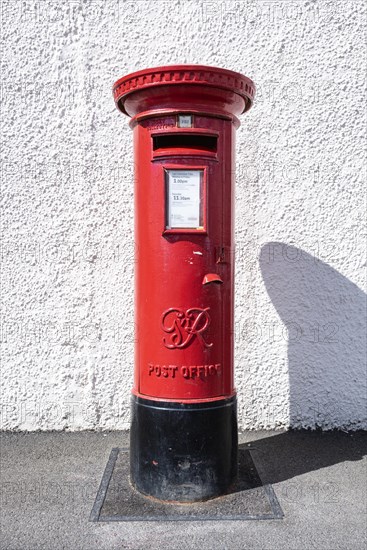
183 442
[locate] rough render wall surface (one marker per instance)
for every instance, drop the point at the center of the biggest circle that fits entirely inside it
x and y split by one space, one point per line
67 244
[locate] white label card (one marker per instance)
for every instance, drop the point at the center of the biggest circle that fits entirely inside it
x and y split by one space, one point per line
183 194
184 121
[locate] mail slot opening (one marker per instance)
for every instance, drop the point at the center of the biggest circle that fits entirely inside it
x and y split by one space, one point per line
185 141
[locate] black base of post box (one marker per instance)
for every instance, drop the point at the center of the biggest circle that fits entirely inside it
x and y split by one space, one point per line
183 452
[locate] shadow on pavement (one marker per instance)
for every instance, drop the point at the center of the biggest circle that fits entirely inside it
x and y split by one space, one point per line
290 454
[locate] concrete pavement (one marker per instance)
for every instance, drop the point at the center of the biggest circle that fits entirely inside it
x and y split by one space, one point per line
49 482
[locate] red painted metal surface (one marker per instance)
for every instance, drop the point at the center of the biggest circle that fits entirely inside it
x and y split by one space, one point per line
184 318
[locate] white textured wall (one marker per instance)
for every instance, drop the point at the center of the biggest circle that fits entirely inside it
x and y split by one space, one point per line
67 244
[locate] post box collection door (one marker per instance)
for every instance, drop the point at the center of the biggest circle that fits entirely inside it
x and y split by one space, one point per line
184 260
184 428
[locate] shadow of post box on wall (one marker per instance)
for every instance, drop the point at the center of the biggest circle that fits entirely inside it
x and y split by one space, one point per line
184 427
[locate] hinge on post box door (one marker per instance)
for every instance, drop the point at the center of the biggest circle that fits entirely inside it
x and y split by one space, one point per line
222 254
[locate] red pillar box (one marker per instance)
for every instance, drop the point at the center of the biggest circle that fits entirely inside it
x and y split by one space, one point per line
184 427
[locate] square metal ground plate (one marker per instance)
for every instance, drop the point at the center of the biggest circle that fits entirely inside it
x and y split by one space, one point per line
117 500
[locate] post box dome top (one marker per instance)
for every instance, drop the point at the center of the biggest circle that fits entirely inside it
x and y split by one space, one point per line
184 87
